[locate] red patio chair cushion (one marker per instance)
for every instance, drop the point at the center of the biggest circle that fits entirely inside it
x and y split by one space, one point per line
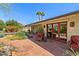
75 39
75 46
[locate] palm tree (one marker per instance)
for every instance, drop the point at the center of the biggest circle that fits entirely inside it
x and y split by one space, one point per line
40 15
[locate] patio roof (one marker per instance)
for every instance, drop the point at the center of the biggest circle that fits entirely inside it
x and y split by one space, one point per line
71 13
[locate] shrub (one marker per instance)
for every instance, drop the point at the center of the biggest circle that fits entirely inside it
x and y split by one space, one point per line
9 37
40 30
20 35
17 36
26 33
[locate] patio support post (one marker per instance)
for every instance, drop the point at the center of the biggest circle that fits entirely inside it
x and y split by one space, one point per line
52 28
58 30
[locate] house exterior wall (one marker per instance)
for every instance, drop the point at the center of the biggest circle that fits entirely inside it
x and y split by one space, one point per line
26 28
35 27
70 30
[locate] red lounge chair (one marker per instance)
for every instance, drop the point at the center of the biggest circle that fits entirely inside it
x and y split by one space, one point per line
75 42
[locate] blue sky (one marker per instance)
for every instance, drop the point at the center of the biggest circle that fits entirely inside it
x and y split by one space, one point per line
26 12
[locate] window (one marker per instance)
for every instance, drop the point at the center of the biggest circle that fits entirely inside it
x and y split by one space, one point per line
55 26
63 27
49 27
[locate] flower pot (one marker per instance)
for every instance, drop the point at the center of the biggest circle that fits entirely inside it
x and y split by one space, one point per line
40 36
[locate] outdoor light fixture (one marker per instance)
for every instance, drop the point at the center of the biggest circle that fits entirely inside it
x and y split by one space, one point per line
44 26
72 24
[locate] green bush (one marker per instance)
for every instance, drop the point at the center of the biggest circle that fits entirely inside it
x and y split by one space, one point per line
26 33
20 35
17 36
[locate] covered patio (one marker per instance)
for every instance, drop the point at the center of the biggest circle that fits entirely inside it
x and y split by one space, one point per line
57 29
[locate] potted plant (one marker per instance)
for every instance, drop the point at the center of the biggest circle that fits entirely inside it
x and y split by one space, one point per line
40 33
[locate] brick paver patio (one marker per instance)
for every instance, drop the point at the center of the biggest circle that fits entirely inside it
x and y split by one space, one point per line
55 47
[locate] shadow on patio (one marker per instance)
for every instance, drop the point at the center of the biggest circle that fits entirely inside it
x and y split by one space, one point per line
55 47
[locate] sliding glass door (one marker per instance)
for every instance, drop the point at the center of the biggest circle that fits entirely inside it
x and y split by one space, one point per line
55 30
63 30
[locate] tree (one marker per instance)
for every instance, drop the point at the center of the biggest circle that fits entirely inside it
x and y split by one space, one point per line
2 25
13 26
40 15
19 26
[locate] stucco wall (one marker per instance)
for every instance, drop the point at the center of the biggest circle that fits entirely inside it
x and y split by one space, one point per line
73 30
26 28
35 27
